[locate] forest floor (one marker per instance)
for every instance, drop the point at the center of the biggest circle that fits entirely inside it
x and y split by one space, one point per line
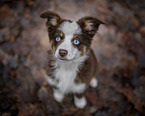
119 47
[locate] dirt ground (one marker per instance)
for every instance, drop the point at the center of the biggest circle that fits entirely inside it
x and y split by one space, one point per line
119 47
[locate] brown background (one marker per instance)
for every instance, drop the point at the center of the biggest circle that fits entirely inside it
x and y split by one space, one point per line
119 46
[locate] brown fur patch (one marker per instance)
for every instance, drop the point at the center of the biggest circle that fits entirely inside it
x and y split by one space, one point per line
89 25
52 18
89 69
84 50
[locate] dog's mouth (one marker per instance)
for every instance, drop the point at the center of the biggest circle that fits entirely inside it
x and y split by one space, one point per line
64 59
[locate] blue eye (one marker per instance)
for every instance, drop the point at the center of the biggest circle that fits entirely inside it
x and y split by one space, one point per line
76 42
58 39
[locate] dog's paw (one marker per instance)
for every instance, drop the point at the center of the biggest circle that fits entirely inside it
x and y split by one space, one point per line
79 88
80 102
58 96
94 82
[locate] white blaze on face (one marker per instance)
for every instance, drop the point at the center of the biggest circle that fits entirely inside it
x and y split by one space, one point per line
69 29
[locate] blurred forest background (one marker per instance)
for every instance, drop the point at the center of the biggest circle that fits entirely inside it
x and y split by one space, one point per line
119 46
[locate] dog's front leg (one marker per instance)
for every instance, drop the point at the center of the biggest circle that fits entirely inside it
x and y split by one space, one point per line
80 101
79 88
79 98
58 95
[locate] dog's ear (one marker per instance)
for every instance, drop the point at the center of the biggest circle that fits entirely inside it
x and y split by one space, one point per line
89 25
52 18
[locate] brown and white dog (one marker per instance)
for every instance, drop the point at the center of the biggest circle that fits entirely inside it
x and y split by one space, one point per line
71 62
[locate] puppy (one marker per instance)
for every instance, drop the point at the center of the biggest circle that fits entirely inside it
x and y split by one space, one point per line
71 62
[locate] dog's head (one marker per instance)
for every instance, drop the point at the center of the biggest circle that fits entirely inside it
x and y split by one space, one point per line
70 39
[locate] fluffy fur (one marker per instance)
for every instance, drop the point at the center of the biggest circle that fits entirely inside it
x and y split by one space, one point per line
75 71
70 28
65 75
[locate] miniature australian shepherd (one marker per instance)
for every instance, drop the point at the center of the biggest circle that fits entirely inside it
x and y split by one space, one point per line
72 65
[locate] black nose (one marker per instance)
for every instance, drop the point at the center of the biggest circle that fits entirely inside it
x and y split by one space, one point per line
63 52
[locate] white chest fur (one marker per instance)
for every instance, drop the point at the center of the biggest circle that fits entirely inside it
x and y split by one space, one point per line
65 74
65 78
